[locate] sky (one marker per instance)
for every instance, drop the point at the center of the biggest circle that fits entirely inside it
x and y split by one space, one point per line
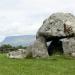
24 17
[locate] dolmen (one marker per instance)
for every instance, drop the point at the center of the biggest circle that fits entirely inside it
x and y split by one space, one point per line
57 34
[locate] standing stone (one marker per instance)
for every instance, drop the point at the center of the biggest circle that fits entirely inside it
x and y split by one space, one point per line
68 45
39 48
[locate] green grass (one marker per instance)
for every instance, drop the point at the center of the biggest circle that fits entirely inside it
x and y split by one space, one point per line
55 65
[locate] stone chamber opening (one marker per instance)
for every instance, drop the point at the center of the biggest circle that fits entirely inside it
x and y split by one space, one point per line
55 47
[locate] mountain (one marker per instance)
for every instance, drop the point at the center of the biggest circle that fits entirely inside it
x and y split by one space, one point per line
24 40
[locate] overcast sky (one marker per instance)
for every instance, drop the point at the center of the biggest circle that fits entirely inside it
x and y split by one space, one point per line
23 17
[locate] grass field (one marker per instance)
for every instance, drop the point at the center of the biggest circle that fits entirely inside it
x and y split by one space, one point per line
55 65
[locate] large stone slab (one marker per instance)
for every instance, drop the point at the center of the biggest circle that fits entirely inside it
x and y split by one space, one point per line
68 46
20 53
39 48
58 24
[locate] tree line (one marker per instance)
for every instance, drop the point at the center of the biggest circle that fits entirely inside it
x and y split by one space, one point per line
7 47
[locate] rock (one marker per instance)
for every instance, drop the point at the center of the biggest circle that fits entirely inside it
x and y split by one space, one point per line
73 54
39 49
20 53
55 26
68 45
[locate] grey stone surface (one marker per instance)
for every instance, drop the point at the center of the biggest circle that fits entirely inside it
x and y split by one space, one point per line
39 48
73 54
20 53
68 45
58 24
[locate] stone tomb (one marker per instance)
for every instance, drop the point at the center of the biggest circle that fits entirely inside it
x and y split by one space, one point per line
59 29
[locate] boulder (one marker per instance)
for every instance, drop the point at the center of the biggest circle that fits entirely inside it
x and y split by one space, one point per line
68 45
73 54
39 49
20 53
58 25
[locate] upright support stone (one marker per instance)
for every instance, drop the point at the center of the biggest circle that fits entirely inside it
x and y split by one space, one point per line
39 48
68 45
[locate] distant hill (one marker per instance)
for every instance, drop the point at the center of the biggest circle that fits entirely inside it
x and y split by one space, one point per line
24 40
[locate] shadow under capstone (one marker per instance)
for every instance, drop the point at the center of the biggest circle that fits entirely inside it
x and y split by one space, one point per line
55 47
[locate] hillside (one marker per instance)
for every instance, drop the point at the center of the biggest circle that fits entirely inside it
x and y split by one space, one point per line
24 40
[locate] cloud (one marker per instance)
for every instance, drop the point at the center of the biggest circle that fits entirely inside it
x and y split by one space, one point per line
26 16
